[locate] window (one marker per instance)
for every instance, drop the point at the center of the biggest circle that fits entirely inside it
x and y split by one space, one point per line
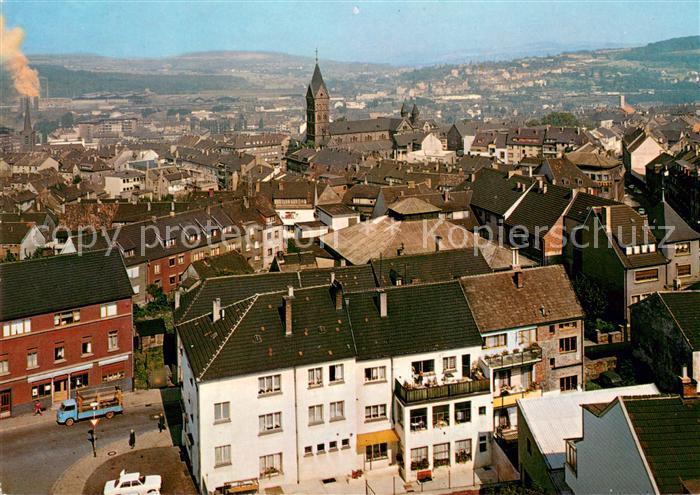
41 391
526 337
441 454
427 366
137 289
271 465
639 297
568 383
66 318
419 419
269 384
337 410
113 376
222 412
17 327
222 455
108 310
308 450
571 460
4 367
683 270
463 451
646 275
567 325
32 359
335 373
181 259
463 412
375 374
333 445
375 412
483 442
156 269
86 347
482 410
113 340
171 262
441 416
419 458
567 344
345 443
59 353
315 377
449 363
376 452
682 249
495 341
172 280
269 251
270 422
315 414
133 272
78 381
552 362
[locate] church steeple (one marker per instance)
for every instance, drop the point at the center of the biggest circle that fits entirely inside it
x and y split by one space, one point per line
404 109
317 108
27 135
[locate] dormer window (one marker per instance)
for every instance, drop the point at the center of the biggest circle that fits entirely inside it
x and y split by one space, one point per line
637 249
169 242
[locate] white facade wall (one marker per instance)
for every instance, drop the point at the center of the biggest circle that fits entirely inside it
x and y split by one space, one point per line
608 460
645 153
336 223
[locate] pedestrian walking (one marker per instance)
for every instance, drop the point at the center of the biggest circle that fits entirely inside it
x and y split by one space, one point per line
161 423
37 408
132 439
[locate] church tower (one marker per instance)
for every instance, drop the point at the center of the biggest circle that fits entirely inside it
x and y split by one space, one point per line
27 135
317 109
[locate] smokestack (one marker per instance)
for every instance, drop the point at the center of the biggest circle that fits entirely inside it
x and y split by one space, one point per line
216 310
287 301
383 310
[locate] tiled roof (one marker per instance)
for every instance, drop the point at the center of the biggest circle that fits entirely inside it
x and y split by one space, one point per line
684 307
420 318
541 208
668 430
496 192
669 226
63 282
232 263
582 203
234 288
546 296
432 267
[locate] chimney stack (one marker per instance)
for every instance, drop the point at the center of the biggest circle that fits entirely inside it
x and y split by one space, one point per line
216 310
608 218
337 293
518 278
288 300
382 303
515 261
177 299
438 243
689 387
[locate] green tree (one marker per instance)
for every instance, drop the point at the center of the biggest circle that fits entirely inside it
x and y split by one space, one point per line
560 119
261 124
77 179
67 120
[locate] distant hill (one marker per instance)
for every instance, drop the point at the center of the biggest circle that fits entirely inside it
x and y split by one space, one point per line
684 51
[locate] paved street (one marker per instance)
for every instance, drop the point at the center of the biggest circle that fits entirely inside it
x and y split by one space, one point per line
35 451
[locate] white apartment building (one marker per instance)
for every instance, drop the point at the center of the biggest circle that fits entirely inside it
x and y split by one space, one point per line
123 183
314 383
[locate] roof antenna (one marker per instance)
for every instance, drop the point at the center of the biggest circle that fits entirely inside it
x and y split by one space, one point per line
316 56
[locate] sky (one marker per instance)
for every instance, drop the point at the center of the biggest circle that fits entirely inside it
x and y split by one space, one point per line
395 32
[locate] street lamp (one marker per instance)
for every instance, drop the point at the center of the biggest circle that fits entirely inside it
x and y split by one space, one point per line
94 422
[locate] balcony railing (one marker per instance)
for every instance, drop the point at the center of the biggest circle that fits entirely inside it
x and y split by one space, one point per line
414 393
507 399
528 356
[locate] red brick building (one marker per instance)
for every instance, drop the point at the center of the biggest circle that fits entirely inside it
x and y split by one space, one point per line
66 324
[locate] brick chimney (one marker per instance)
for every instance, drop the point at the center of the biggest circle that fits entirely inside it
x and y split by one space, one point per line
337 293
438 243
689 387
288 300
518 278
608 218
177 299
382 303
216 310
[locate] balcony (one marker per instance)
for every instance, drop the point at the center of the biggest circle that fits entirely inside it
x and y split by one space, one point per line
508 399
528 356
412 394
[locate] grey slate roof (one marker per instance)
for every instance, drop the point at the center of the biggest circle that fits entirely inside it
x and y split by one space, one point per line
63 282
664 221
684 308
496 192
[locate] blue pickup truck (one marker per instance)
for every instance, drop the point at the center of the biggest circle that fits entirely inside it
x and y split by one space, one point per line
88 405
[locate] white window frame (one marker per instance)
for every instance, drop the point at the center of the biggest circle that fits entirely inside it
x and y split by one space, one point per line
449 363
376 374
271 465
222 412
222 455
315 377
269 384
107 310
337 410
269 423
337 371
375 412
316 414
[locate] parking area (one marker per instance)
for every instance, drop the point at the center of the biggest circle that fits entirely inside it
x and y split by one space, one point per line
164 461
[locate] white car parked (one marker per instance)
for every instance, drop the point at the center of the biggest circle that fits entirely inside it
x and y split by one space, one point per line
133 484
